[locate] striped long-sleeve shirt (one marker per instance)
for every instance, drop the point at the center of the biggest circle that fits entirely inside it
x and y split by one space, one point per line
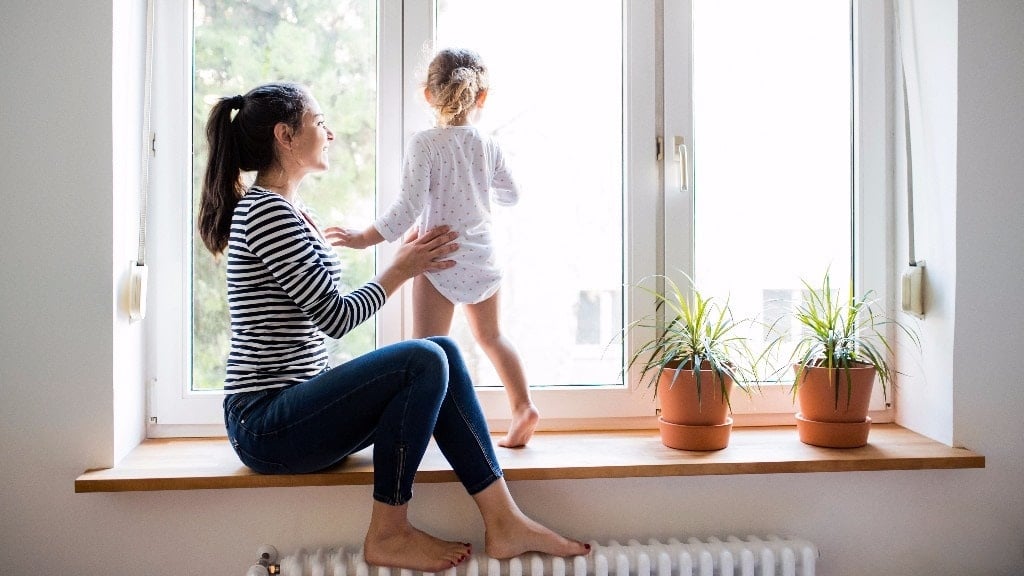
283 296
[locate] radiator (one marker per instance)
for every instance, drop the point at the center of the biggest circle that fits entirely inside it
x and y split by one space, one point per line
731 556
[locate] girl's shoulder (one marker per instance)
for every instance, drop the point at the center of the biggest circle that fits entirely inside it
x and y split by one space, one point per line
446 133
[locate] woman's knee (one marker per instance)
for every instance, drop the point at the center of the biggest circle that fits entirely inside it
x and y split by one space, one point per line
452 352
446 343
428 361
458 372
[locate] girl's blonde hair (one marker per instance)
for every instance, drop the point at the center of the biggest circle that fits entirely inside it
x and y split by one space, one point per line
455 78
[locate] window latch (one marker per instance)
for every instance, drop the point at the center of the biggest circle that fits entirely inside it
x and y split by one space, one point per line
681 156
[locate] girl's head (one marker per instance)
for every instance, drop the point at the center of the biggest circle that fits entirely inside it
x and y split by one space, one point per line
456 84
243 141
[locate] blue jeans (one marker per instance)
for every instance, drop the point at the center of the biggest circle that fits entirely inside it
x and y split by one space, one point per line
395 398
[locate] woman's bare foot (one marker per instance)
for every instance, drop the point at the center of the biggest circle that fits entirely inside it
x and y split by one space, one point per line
392 541
519 535
524 422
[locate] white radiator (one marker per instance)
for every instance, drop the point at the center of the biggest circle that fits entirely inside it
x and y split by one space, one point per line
732 556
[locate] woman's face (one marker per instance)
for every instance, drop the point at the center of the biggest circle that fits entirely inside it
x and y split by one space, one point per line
310 143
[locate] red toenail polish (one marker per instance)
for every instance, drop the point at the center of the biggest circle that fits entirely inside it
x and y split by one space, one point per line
587 546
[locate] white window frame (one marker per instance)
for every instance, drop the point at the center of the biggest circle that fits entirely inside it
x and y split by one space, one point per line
652 200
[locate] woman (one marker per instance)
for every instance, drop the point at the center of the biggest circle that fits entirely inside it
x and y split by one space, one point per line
285 410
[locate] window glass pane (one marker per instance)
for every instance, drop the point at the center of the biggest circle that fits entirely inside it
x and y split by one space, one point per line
330 46
556 107
772 168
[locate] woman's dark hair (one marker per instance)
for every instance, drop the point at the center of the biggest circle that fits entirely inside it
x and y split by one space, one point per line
242 143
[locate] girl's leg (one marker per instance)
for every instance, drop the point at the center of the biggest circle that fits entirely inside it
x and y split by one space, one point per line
462 436
431 312
484 320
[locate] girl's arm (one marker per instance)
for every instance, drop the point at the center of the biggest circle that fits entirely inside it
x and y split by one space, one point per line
504 188
412 197
402 213
351 238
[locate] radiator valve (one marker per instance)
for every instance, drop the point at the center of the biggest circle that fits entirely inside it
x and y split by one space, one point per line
267 564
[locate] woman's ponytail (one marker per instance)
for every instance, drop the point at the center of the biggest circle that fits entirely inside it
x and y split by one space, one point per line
243 143
222 184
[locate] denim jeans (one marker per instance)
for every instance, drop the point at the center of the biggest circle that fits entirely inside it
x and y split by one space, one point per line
395 398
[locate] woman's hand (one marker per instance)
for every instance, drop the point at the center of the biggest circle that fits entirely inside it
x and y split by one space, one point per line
419 254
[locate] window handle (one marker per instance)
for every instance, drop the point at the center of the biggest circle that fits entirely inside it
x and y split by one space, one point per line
682 157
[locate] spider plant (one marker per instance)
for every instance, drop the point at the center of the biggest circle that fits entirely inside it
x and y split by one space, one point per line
843 333
697 334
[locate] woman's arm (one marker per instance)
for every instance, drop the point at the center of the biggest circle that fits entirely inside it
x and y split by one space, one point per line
419 254
280 248
415 256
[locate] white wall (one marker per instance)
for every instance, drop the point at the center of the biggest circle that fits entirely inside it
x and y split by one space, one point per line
928 34
989 393
59 364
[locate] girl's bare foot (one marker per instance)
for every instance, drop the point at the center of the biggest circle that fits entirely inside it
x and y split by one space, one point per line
524 422
392 541
520 535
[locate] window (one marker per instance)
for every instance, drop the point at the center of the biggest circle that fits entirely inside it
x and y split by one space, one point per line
577 111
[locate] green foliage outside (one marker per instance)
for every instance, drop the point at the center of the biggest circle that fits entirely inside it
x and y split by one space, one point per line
330 46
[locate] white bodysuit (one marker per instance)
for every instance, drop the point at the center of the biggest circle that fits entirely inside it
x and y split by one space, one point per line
451 174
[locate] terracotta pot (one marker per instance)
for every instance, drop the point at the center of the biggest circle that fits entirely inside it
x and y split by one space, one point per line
680 403
689 421
824 419
817 389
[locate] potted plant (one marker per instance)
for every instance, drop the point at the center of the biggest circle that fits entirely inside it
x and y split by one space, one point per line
693 361
841 350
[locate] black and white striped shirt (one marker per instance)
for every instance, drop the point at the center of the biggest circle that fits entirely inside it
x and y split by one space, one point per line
283 296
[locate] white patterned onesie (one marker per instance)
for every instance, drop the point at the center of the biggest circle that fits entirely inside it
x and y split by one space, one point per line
451 174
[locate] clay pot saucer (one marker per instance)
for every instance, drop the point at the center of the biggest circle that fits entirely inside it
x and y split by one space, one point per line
833 434
703 438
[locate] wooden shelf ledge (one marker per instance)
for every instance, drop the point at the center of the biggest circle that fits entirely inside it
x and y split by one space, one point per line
209 463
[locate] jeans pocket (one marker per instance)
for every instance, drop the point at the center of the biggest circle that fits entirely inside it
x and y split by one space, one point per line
239 407
255 463
256 449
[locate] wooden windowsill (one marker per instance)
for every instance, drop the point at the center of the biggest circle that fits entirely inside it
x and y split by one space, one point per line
208 463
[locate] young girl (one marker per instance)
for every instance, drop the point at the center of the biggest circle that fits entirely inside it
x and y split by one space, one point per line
451 174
